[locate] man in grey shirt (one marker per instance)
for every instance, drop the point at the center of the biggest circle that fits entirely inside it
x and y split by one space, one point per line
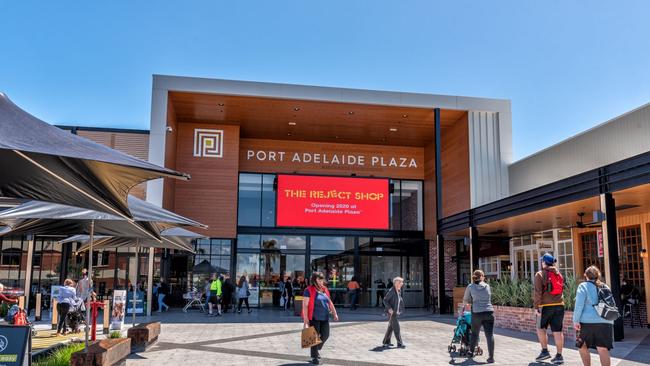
394 307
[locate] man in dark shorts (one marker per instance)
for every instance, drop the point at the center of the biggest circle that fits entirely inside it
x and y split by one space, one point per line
550 309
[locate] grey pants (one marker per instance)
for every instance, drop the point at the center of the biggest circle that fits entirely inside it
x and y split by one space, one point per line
393 326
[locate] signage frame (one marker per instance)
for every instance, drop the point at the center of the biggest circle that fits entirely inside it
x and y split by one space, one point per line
275 188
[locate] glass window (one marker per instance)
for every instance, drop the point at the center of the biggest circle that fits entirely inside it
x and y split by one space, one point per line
283 242
248 241
411 205
268 200
250 203
203 247
338 243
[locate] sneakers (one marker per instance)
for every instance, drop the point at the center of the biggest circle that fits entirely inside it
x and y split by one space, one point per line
558 359
387 345
401 345
490 360
543 355
315 361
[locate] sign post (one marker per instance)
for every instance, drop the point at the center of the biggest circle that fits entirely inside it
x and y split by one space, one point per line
15 345
117 315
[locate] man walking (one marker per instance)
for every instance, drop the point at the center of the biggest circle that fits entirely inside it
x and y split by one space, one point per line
394 307
215 295
549 303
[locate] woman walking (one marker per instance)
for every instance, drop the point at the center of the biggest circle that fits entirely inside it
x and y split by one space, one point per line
316 308
243 294
479 295
66 299
593 331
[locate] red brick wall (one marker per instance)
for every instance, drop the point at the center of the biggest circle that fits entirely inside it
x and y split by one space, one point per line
523 320
449 269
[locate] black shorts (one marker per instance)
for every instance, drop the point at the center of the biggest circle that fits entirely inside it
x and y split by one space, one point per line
597 335
214 299
553 316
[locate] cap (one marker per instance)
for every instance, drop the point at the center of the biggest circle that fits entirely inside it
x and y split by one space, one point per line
548 259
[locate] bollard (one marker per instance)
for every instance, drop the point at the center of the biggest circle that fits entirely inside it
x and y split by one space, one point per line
21 302
37 307
55 314
107 313
94 309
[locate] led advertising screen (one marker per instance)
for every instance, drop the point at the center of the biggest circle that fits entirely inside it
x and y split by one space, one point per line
332 202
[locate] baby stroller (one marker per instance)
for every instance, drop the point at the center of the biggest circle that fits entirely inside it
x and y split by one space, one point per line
462 336
76 318
18 316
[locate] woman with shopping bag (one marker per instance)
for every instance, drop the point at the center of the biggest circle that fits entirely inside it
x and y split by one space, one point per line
316 308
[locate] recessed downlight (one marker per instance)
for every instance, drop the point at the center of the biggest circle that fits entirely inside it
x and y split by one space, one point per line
405 115
288 133
292 123
351 112
296 109
220 104
392 129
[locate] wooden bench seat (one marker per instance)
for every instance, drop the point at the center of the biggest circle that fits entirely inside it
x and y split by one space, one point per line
143 335
103 353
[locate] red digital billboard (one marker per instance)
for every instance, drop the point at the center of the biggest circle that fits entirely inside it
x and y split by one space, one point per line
332 202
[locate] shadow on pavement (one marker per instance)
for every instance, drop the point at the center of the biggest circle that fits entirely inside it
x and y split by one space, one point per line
378 349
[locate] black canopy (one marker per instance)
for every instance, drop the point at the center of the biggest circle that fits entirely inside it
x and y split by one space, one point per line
41 162
206 267
41 218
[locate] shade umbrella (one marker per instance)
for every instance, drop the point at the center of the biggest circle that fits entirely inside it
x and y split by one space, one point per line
172 238
41 162
39 218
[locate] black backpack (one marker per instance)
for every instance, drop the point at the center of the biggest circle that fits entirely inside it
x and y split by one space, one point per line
606 307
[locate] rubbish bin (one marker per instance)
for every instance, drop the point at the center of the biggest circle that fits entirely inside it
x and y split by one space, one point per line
297 305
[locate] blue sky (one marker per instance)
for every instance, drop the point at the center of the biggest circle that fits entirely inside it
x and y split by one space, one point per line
566 65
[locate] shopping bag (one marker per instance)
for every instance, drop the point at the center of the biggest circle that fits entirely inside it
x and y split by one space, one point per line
310 337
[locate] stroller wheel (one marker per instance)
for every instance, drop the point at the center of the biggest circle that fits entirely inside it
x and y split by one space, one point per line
453 348
462 352
479 351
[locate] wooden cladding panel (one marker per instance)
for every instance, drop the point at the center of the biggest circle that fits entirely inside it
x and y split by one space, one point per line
455 168
210 197
134 144
402 155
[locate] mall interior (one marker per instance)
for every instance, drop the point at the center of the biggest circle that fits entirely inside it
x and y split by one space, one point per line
449 198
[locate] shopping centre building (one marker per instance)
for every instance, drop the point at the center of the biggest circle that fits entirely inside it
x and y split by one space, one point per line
292 179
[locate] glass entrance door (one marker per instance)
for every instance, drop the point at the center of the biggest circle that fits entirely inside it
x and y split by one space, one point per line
275 269
527 261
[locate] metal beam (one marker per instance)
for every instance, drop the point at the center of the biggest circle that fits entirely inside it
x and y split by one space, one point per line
610 244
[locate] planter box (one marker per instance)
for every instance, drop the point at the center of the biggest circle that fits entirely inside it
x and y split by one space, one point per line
103 353
524 320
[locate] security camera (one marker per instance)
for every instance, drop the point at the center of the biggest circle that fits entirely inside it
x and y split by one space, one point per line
169 129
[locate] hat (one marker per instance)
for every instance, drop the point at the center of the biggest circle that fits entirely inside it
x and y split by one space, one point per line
548 259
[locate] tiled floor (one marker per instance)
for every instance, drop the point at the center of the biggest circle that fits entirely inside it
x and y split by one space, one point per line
273 338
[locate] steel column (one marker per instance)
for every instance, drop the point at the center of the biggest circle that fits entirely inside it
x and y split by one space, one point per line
610 243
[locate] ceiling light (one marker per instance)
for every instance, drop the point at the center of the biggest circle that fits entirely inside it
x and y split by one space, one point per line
288 133
220 104
292 123
392 129
350 112
296 109
404 115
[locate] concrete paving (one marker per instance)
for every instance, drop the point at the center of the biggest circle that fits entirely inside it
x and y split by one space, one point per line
272 337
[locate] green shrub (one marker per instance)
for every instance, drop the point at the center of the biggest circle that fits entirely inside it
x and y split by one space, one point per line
60 357
519 293
115 334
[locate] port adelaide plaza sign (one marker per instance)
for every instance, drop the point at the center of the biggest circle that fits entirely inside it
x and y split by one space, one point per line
340 159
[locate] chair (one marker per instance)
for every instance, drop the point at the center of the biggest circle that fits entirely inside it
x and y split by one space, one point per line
193 299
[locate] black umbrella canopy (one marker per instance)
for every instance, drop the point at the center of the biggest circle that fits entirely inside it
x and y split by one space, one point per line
41 162
173 238
41 218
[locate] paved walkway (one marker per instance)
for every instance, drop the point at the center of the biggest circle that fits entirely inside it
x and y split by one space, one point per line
268 337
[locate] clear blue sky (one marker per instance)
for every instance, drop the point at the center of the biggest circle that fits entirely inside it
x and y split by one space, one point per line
566 65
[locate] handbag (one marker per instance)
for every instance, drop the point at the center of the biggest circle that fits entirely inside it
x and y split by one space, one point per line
606 307
309 338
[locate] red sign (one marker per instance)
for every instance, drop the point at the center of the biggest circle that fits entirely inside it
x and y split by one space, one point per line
332 202
601 247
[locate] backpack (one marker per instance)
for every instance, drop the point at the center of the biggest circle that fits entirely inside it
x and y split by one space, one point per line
20 318
554 283
606 307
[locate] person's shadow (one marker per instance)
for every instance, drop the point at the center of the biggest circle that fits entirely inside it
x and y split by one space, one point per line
378 349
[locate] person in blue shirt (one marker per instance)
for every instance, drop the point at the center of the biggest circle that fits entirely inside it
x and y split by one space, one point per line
594 331
66 299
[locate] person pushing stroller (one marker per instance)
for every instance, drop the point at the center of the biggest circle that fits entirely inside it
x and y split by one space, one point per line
479 295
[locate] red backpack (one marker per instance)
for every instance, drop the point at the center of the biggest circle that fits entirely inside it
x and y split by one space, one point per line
554 283
20 318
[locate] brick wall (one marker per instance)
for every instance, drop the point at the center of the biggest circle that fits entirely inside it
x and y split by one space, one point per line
524 320
449 269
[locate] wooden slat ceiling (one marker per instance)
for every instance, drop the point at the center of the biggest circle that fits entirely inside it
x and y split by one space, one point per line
632 201
270 118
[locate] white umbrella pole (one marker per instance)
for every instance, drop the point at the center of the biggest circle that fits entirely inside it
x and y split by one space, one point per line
90 279
135 286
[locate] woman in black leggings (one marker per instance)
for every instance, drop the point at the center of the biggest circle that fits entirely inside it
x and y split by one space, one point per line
67 295
243 293
479 295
